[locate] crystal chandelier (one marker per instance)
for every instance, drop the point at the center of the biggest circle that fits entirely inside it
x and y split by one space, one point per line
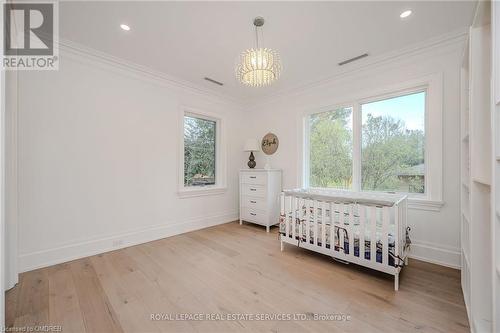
260 66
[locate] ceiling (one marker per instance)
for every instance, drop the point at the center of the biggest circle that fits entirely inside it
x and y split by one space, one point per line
193 40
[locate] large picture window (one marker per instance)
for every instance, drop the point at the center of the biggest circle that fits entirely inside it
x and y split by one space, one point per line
371 145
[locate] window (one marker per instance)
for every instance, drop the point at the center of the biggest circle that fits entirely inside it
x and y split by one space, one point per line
393 141
330 147
199 151
371 145
202 154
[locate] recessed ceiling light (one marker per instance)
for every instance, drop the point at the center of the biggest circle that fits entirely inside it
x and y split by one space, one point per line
405 14
125 27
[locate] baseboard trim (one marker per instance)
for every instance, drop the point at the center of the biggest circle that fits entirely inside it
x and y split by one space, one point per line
435 254
61 254
39 259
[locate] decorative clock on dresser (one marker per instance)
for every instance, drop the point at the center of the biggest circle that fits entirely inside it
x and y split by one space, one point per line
259 196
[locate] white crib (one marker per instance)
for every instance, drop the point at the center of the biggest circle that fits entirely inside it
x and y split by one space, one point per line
369 229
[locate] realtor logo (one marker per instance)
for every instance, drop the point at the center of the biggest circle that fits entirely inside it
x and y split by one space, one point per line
30 34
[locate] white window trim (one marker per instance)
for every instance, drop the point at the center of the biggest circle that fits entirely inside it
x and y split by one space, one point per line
220 155
432 200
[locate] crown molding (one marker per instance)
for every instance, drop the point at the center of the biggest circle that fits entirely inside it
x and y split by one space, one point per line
143 71
454 38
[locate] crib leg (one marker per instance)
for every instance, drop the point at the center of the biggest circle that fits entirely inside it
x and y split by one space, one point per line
267 228
406 261
282 246
396 282
241 221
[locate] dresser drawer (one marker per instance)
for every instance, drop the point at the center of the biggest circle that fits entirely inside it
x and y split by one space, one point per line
258 191
253 202
254 215
259 178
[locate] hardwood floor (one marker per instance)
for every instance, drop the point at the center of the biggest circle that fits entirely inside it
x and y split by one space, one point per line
233 269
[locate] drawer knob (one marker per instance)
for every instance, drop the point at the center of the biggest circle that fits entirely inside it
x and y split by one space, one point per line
253 189
253 214
253 177
253 201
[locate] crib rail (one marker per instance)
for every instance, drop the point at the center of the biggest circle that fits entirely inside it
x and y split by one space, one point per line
368 198
369 231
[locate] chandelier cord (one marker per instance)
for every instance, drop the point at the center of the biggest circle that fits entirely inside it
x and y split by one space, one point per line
256 37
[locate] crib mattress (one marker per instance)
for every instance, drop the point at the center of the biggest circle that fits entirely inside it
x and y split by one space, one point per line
346 248
338 229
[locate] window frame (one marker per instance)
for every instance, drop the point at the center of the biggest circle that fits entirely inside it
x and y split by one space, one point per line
433 157
220 155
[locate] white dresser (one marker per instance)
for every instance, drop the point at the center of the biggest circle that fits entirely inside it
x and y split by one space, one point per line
259 196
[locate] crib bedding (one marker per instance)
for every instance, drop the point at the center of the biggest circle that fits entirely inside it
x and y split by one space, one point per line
338 229
339 216
368 229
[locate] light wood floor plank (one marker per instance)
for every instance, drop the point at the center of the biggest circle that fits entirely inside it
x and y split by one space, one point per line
32 306
98 314
64 305
233 269
251 299
182 271
130 310
10 310
311 296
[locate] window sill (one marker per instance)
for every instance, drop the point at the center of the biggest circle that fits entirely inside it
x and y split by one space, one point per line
425 204
198 192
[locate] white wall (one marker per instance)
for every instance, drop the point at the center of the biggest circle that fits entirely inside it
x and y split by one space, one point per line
97 152
3 246
10 163
435 234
